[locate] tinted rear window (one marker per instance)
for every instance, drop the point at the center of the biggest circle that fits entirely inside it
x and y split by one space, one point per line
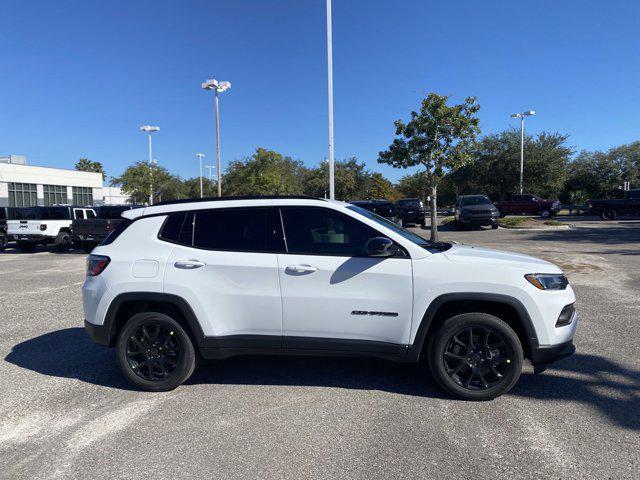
53 213
172 227
234 229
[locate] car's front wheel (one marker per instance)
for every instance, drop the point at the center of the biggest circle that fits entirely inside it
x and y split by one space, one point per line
476 356
63 241
608 214
154 352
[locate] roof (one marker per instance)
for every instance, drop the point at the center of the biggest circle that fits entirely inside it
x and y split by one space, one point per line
239 197
217 202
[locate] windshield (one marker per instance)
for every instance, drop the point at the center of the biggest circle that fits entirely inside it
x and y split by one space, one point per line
479 200
417 239
414 203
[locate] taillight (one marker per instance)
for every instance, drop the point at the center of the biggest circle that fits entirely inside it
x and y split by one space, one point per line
96 264
43 226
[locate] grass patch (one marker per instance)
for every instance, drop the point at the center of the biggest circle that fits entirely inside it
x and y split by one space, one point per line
553 223
447 220
512 221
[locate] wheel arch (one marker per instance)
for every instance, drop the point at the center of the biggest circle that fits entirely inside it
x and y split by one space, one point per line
505 307
125 305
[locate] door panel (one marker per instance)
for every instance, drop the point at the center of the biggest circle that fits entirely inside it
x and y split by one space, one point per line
356 298
231 293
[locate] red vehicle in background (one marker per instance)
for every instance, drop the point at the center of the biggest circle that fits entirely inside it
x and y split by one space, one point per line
528 205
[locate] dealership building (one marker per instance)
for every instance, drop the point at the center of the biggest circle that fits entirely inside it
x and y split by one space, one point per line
23 185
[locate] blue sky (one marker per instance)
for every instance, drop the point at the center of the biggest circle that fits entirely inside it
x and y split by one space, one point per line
79 78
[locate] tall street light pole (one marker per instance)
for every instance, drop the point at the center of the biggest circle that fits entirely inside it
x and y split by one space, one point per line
332 193
200 157
217 87
521 117
150 129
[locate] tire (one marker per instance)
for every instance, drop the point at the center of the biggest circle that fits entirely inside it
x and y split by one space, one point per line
87 246
608 214
494 226
62 242
166 364
403 224
452 340
27 247
423 223
3 242
545 213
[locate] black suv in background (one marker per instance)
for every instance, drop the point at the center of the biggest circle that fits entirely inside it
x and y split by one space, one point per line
475 210
6 213
411 210
384 208
87 233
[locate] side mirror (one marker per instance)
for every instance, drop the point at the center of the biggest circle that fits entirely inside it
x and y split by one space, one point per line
380 247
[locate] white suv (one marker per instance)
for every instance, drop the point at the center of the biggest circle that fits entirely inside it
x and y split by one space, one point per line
296 275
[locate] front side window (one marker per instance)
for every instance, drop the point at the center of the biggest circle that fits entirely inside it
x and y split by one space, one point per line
417 239
321 231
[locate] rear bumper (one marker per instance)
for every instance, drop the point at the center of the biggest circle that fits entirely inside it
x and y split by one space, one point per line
100 334
548 354
415 217
28 237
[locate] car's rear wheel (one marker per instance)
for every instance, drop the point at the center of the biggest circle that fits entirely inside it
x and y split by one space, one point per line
476 356
63 241
494 226
27 247
154 352
545 213
608 214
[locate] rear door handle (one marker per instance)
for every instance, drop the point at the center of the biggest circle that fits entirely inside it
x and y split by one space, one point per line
189 264
301 268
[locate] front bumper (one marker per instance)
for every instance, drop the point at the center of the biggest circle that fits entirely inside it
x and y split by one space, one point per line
544 355
478 220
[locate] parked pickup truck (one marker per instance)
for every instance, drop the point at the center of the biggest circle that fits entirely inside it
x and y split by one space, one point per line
87 233
31 226
608 209
528 205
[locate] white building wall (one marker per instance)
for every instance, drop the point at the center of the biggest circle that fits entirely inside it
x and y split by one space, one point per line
15 173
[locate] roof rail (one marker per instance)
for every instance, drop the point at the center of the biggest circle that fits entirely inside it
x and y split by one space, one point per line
240 197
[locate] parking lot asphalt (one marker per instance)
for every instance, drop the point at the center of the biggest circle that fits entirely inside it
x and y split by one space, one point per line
65 411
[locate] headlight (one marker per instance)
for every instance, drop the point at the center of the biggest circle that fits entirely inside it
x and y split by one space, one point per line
547 281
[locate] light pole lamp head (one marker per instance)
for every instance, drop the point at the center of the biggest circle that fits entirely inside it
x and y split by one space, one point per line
200 155
213 84
529 113
149 128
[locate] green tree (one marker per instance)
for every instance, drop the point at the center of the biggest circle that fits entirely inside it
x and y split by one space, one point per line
496 169
138 178
378 187
191 188
264 173
412 186
439 138
351 178
86 165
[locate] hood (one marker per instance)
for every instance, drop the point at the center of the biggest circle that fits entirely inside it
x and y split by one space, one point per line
469 254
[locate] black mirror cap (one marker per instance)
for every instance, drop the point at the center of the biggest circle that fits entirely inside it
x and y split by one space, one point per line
381 247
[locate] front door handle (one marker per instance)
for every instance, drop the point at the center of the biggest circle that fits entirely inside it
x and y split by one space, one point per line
301 269
189 264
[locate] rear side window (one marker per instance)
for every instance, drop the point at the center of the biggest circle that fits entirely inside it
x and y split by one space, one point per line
172 228
233 229
116 232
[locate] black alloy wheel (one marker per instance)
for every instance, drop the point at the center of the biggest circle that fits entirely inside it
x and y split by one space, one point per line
608 214
154 352
477 358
